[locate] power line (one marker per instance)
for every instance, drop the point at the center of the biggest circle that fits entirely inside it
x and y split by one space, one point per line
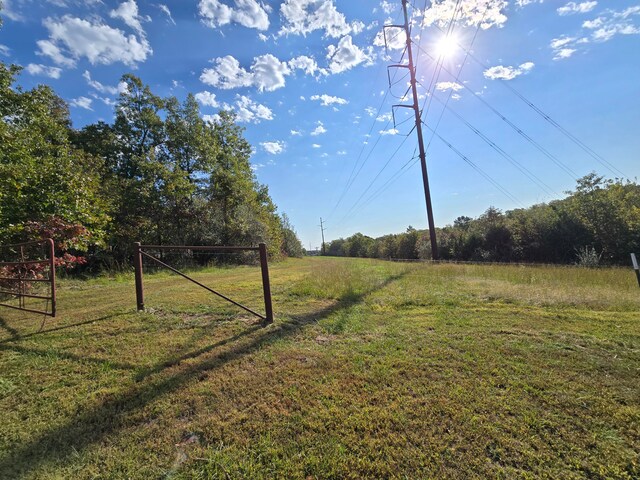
375 178
530 175
517 129
476 168
352 178
612 168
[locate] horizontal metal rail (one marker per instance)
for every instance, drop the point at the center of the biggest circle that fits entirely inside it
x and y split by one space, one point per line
24 244
28 295
27 262
14 279
27 309
49 245
201 284
200 247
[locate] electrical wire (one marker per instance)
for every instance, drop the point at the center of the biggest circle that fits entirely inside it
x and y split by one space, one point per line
476 168
612 168
517 129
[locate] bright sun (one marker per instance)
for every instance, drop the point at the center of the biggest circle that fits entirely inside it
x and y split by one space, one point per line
446 46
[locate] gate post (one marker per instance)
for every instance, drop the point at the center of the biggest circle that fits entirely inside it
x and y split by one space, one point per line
265 282
137 261
52 274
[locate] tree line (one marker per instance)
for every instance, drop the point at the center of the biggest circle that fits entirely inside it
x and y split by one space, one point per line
597 223
157 174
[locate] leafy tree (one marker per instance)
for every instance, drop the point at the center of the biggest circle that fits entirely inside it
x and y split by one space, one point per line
41 174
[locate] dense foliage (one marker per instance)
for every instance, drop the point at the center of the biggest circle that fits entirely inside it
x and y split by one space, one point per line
598 222
158 174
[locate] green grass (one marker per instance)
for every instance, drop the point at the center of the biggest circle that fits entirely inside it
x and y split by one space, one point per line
371 370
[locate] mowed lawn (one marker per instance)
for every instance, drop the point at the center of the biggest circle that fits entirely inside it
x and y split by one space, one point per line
371 370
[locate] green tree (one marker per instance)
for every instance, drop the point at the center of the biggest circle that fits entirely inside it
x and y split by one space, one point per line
42 175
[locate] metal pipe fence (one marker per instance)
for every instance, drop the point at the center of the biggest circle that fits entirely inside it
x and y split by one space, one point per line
19 275
140 254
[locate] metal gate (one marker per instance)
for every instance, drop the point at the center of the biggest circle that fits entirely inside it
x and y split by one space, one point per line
261 249
20 277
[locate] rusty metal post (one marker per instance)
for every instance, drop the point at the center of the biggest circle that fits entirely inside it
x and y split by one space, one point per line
265 283
52 274
636 267
137 261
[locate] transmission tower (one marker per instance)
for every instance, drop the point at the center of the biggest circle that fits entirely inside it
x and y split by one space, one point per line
423 160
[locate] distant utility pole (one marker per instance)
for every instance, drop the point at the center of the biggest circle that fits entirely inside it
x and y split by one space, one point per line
416 109
322 230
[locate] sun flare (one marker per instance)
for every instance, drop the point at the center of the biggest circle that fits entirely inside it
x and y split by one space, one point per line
446 46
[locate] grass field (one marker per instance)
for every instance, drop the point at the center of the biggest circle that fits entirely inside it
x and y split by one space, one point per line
371 370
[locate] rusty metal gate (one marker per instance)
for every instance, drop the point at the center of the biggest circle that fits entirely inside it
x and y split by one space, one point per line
267 318
21 277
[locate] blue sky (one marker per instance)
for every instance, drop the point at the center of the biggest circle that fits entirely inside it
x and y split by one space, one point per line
308 79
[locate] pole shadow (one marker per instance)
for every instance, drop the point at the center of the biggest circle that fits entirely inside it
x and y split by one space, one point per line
95 423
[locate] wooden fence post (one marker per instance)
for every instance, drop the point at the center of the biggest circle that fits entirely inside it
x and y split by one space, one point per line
634 260
137 260
52 274
265 283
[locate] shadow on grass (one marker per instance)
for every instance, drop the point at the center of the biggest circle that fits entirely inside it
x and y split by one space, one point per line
68 356
12 331
95 423
15 334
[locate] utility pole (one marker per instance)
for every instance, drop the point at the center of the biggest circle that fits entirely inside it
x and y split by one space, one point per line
416 109
322 230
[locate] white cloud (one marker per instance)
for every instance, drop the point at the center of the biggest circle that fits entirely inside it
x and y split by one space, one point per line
211 118
296 132
43 70
385 117
346 55
357 27
306 64
106 100
128 12
4 50
207 99
614 23
393 38
304 16
248 13
370 111
444 86
167 12
500 72
273 148
101 87
249 111
328 100
267 73
72 38
573 7
82 102
485 13
315 145
592 24
388 7
602 29
563 47
391 131
319 130
564 53
341 152
9 12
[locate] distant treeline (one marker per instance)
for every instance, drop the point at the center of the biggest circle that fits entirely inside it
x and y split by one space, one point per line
157 174
598 223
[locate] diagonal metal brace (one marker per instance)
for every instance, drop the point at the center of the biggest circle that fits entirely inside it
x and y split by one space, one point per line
202 285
